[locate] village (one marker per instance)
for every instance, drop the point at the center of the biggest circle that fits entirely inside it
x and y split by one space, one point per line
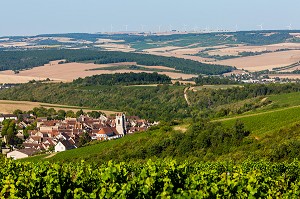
50 136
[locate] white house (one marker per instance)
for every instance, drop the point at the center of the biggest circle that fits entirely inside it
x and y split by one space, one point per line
22 153
64 145
7 116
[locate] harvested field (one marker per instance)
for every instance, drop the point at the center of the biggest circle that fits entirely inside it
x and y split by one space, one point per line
109 41
116 47
191 57
297 35
234 51
290 76
159 67
70 71
198 88
179 52
13 79
162 49
184 82
265 61
8 106
13 44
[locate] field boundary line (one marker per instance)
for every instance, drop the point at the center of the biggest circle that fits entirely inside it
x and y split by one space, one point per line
255 114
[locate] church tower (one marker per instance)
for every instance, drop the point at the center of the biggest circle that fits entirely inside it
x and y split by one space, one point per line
120 123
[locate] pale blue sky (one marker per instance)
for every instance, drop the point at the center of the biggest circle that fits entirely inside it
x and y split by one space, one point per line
30 17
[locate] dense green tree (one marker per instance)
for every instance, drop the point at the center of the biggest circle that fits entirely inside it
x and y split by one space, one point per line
124 79
79 113
61 114
94 114
84 139
9 130
70 113
17 112
51 112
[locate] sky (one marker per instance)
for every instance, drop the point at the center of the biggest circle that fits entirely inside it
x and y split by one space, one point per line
32 17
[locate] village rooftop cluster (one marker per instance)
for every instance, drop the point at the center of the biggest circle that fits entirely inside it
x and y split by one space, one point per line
70 133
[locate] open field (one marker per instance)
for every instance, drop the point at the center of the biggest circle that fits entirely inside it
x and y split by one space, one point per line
222 51
14 79
264 61
179 52
116 47
184 82
197 88
70 71
8 106
290 76
252 63
284 110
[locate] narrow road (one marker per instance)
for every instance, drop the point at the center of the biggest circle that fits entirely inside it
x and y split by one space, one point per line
51 155
186 96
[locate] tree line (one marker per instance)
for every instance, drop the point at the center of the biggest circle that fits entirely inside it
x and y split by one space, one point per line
20 60
162 102
124 79
211 80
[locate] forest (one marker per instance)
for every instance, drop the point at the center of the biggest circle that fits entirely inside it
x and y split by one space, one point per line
124 79
20 60
156 103
211 80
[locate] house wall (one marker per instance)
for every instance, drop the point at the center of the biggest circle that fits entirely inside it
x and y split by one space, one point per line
2 119
46 129
60 147
16 155
7 118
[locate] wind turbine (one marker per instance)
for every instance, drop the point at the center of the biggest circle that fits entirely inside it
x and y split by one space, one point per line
184 27
111 28
236 27
159 27
289 27
170 28
195 28
142 28
261 26
126 27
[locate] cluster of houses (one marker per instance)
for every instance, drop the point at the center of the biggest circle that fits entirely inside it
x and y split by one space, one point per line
62 135
5 86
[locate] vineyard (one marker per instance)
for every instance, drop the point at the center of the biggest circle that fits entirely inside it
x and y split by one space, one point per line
153 179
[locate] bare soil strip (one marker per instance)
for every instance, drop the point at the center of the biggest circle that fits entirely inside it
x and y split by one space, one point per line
8 106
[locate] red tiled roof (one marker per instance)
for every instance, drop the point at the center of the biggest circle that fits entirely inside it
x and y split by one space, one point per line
108 130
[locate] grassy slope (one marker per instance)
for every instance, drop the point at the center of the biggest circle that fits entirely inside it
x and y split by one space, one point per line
284 110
